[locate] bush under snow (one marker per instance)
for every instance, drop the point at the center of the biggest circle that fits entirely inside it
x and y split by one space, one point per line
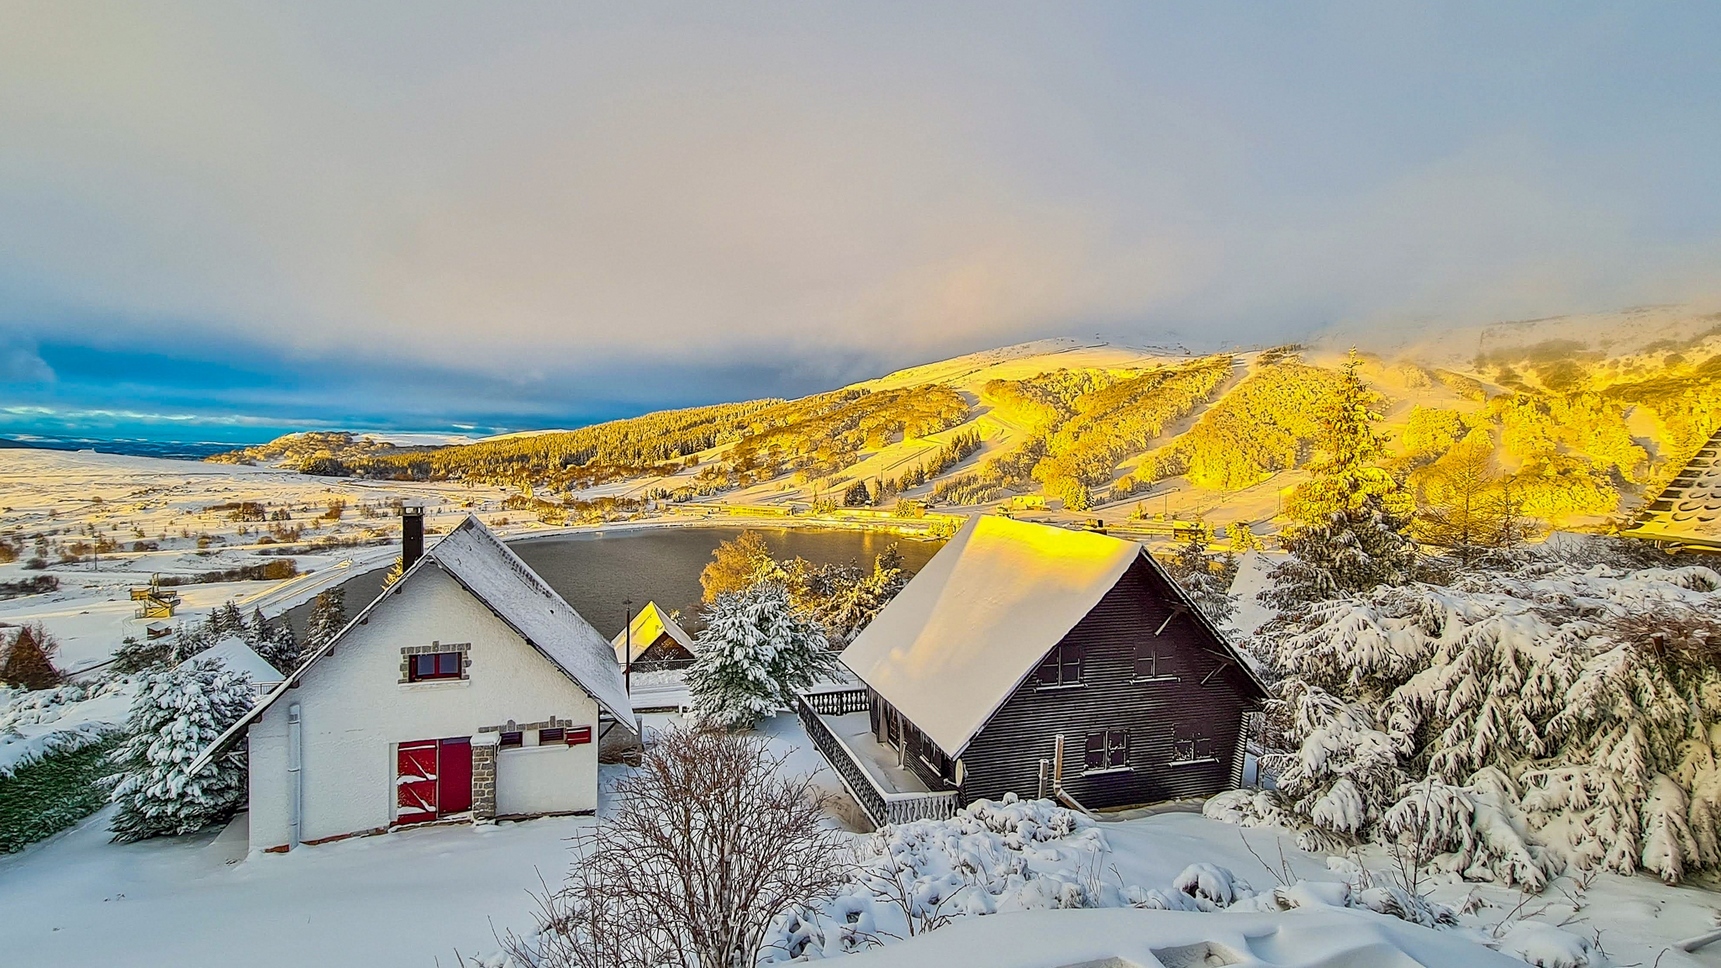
44 722
1020 855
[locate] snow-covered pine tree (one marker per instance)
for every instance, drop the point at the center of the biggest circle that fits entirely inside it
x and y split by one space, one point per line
274 642
850 599
1243 539
142 655
328 617
1548 709
756 650
176 715
1352 515
1205 576
227 621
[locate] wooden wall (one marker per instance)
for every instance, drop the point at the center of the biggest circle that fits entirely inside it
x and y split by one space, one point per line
1203 699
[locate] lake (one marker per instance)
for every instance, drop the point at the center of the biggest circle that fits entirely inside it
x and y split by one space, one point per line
596 571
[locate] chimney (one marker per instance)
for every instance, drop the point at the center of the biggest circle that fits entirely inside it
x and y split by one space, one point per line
411 534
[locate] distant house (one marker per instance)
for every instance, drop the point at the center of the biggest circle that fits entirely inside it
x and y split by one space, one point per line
657 641
468 688
1018 643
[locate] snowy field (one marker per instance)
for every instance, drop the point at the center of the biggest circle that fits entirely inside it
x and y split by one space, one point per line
167 517
417 896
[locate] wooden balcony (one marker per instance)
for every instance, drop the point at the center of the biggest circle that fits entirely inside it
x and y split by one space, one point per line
836 719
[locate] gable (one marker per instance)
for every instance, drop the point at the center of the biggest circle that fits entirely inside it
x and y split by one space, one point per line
494 578
1145 614
363 678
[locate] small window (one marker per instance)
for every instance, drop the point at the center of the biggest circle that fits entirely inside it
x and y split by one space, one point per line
1191 747
579 735
1153 661
548 737
435 665
1107 749
513 739
1062 667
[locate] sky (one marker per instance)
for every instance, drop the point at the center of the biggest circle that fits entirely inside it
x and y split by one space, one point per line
227 220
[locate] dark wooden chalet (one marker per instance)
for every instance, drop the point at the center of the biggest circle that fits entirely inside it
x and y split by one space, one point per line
658 642
1017 634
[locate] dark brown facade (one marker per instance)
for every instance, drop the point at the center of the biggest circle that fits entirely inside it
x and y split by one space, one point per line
1149 699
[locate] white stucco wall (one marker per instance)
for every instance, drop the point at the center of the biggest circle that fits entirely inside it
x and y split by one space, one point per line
355 712
545 779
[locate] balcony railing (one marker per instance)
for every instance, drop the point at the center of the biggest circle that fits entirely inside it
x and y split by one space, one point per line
882 806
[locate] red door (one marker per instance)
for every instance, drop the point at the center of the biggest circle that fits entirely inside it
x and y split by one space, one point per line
415 781
454 769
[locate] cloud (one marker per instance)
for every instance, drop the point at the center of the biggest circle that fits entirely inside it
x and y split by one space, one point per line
22 364
559 206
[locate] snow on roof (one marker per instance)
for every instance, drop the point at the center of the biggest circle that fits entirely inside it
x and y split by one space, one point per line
235 656
646 627
977 619
495 575
1689 508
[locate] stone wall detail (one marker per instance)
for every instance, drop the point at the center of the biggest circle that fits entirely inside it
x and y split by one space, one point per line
484 748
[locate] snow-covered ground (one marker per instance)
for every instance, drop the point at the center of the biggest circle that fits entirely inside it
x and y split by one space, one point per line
412 897
415 897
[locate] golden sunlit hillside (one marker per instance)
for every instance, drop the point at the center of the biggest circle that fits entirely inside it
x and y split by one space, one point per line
1580 419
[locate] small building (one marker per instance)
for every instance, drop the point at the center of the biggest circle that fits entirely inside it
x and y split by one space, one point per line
657 641
1039 661
234 655
467 689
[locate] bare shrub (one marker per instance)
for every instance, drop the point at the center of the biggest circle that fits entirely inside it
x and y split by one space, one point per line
708 845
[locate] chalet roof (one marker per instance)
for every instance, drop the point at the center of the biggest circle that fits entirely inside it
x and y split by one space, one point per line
647 627
495 575
977 620
235 656
1688 509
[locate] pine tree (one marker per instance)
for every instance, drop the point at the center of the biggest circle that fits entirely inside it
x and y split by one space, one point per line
1467 505
1243 539
395 571
142 655
328 617
274 643
1553 716
1205 577
227 621
176 715
1351 517
755 652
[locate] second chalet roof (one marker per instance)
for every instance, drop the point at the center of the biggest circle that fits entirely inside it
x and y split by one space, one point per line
646 628
982 613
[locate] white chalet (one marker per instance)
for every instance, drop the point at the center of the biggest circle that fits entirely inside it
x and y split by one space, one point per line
468 688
